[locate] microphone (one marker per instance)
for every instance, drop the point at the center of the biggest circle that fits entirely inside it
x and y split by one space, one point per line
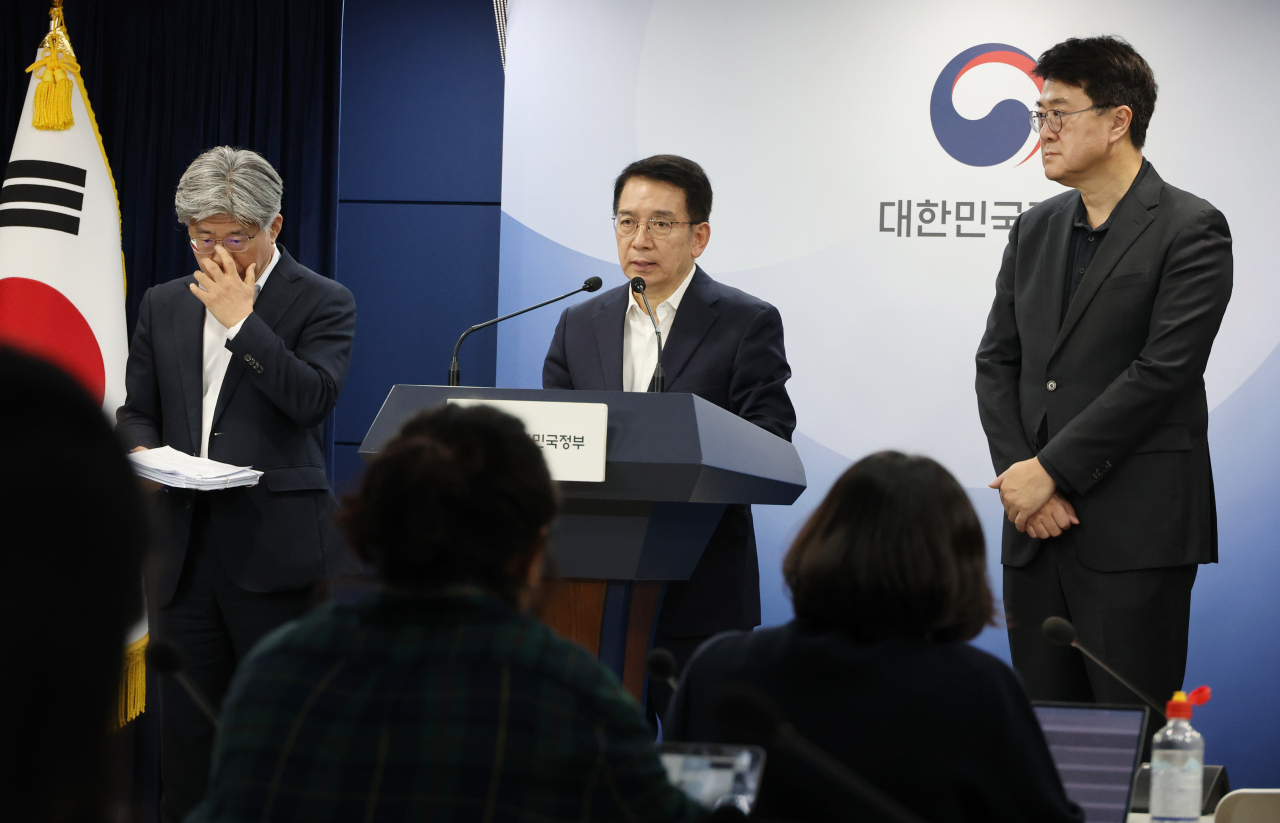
748 714
1060 631
455 374
662 665
167 658
659 377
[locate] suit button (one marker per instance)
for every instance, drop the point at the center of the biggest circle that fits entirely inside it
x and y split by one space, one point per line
248 358
1052 385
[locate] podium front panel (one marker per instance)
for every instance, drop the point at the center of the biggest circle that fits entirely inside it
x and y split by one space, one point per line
632 540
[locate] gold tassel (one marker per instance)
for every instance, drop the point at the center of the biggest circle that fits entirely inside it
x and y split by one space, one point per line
133 680
52 108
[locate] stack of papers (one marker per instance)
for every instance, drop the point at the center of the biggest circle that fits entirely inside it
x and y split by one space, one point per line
170 467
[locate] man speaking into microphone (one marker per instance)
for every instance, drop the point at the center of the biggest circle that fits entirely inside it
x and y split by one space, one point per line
716 342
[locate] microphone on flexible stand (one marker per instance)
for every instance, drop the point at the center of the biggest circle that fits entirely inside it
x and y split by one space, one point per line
1059 630
455 373
748 713
166 658
659 377
662 666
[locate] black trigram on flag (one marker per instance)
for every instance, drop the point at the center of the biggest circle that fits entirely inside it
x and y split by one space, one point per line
34 196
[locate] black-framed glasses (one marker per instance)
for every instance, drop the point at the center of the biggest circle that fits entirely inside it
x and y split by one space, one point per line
1054 118
232 243
658 227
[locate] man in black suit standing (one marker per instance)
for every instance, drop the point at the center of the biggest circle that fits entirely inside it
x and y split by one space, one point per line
241 363
718 342
1090 382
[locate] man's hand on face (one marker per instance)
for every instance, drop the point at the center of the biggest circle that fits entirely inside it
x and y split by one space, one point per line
1053 518
1024 489
147 485
225 295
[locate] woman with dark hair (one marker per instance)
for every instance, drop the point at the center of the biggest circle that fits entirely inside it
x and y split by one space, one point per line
437 697
889 579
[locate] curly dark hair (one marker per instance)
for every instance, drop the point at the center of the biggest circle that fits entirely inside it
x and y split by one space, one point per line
894 550
1110 71
458 496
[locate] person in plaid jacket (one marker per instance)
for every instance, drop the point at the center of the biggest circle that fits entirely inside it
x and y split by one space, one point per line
438 696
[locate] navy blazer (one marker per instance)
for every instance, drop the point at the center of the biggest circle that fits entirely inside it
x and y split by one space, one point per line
1119 382
726 347
288 363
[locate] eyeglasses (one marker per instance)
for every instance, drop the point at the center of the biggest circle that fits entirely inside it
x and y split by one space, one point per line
1054 118
232 243
659 227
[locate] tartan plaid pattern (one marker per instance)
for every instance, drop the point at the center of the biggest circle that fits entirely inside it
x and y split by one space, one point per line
447 707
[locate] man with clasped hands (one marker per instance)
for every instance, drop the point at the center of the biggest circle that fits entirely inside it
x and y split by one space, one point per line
1090 382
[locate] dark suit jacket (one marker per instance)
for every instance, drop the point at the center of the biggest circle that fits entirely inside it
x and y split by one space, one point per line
943 728
288 363
1120 379
726 347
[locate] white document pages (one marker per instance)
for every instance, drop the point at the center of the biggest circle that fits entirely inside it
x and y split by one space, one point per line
179 470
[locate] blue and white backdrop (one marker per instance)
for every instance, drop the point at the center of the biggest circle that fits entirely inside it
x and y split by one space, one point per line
867 160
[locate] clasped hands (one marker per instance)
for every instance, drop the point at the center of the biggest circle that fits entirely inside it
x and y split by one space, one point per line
1032 501
227 296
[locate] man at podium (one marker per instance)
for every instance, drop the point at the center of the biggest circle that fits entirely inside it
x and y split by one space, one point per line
717 342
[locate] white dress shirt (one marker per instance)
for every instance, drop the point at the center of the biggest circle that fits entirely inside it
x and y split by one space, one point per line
639 349
217 356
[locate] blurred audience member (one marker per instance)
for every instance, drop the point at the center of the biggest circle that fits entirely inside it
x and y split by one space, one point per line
75 531
889 579
437 696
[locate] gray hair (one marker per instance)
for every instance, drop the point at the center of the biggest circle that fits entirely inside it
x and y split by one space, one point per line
235 182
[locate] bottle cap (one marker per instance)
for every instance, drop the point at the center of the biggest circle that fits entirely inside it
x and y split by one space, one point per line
1180 705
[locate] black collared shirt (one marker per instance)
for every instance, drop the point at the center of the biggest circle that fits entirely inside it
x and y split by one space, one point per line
1085 240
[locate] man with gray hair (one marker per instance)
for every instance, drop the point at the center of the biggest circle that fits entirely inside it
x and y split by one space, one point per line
241 362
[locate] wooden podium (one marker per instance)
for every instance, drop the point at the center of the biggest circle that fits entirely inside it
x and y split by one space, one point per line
672 464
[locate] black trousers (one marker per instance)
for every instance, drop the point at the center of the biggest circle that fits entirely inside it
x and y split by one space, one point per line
682 648
1134 620
215 623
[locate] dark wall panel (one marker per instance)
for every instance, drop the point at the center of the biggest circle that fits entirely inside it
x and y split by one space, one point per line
422 90
347 468
420 275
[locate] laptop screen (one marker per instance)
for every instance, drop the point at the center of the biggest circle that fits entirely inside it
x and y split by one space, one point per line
1098 750
715 775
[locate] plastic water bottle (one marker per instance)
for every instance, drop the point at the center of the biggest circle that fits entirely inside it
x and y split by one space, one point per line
1177 762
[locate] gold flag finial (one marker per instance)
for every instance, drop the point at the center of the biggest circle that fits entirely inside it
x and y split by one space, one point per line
52 108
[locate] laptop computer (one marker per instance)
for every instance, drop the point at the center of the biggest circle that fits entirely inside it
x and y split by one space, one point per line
1098 750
